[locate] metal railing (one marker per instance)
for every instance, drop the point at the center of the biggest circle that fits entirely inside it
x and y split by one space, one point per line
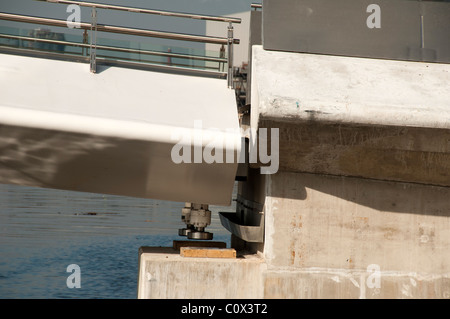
117 29
93 27
256 6
111 48
148 11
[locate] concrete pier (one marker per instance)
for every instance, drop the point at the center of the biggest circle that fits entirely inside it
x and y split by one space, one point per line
164 273
345 237
360 205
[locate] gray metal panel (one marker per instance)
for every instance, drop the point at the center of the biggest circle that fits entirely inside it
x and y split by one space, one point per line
437 28
339 27
255 27
255 39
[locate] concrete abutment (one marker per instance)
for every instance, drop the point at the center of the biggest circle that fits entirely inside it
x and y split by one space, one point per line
360 205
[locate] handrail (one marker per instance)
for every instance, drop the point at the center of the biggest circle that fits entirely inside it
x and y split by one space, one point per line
118 29
39 20
148 11
111 48
119 62
94 27
256 5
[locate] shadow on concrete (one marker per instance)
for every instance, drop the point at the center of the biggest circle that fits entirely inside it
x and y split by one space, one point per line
388 196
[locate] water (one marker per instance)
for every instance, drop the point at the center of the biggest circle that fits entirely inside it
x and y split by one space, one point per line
43 231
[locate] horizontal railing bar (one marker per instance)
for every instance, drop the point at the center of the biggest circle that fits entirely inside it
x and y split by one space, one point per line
18 37
39 20
72 57
256 5
117 29
121 62
165 35
184 65
109 61
165 54
127 50
149 11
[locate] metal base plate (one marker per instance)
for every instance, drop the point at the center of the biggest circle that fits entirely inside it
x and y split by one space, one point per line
200 235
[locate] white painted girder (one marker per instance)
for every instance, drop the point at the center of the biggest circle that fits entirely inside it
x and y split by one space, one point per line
113 132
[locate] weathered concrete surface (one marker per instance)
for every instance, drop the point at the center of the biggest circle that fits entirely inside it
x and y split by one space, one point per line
163 273
350 223
323 232
397 153
362 91
388 120
360 206
319 283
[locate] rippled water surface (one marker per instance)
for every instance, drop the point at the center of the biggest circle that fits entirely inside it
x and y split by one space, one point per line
42 231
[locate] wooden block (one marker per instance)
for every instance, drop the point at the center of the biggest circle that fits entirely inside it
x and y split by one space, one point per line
177 244
207 252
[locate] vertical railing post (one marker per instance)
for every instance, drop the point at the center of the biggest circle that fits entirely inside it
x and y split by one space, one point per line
230 56
93 46
84 50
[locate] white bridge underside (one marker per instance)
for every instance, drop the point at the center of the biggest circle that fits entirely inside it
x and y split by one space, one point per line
113 132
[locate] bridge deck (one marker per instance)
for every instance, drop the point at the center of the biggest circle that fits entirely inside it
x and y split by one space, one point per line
111 132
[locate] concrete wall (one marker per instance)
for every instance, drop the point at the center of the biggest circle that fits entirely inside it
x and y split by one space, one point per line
323 232
163 273
325 237
329 236
360 206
